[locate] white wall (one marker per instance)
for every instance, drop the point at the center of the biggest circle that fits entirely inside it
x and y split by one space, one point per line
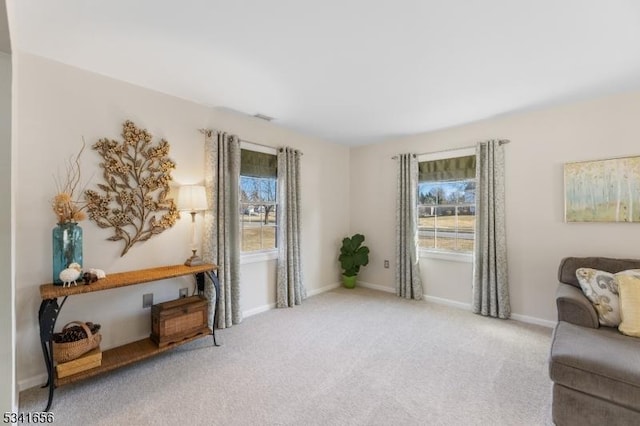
7 323
537 237
57 106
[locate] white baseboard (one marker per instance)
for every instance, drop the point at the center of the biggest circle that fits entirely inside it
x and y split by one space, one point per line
375 287
258 310
461 305
32 382
322 289
439 300
447 302
265 308
40 379
467 307
534 320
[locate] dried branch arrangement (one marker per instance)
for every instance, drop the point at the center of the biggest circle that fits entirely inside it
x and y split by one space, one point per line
64 204
133 199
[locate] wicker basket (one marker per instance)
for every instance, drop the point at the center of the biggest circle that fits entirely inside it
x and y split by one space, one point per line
63 352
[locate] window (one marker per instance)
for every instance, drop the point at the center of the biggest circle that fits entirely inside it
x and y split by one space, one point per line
258 199
446 201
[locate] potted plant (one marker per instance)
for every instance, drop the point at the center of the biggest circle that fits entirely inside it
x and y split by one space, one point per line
353 255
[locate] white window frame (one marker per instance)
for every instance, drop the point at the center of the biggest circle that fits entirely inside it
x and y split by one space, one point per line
266 254
433 253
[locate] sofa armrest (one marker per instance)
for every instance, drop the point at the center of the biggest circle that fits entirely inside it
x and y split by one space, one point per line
574 307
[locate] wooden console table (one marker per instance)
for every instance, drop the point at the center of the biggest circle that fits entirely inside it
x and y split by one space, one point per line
122 355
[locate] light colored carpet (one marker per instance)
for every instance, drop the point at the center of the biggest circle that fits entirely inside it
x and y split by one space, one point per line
346 357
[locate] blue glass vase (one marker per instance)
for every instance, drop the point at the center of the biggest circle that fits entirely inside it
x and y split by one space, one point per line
67 248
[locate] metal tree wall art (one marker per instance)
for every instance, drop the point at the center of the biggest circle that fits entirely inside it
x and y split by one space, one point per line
133 200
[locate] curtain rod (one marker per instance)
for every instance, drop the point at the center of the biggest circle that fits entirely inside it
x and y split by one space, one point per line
259 144
500 142
209 132
266 146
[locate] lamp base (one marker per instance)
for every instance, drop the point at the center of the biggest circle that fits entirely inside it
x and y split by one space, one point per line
194 260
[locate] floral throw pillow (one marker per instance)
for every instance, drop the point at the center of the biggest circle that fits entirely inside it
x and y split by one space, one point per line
601 289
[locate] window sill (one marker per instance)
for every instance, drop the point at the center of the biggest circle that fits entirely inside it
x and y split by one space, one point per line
446 255
258 256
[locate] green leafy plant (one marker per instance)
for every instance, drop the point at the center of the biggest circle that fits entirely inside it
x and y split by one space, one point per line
353 255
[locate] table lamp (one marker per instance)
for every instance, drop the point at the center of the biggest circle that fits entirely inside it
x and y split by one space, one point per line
192 198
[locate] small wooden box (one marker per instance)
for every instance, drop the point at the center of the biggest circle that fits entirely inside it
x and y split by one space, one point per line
179 319
90 360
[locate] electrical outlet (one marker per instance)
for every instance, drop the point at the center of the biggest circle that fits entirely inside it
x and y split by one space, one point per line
386 264
147 300
184 292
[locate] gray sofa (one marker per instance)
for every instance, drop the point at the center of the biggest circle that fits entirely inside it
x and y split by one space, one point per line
595 370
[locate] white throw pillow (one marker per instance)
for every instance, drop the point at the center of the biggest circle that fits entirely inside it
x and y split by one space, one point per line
601 289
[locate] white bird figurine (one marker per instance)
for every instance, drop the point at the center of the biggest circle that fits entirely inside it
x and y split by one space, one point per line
70 275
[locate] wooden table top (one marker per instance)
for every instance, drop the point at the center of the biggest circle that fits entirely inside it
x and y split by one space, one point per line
123 279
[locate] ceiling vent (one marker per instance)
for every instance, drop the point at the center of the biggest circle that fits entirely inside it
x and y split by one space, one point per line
263 117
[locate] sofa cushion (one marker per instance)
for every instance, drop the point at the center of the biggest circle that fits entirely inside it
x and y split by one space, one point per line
629 288
569 265
601 288
600 362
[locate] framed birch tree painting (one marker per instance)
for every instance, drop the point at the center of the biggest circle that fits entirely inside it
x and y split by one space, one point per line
602 190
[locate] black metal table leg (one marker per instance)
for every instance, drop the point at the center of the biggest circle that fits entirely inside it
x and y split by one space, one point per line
216 285
47 316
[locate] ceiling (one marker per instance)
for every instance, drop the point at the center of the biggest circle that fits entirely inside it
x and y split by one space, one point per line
349 71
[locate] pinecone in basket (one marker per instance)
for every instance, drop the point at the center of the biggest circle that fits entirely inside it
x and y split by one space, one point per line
75 333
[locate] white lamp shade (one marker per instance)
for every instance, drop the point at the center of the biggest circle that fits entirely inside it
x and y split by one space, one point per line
192 198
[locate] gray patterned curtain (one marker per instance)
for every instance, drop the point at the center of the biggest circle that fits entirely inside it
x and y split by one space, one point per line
408 281
290 289
221 242
490 286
